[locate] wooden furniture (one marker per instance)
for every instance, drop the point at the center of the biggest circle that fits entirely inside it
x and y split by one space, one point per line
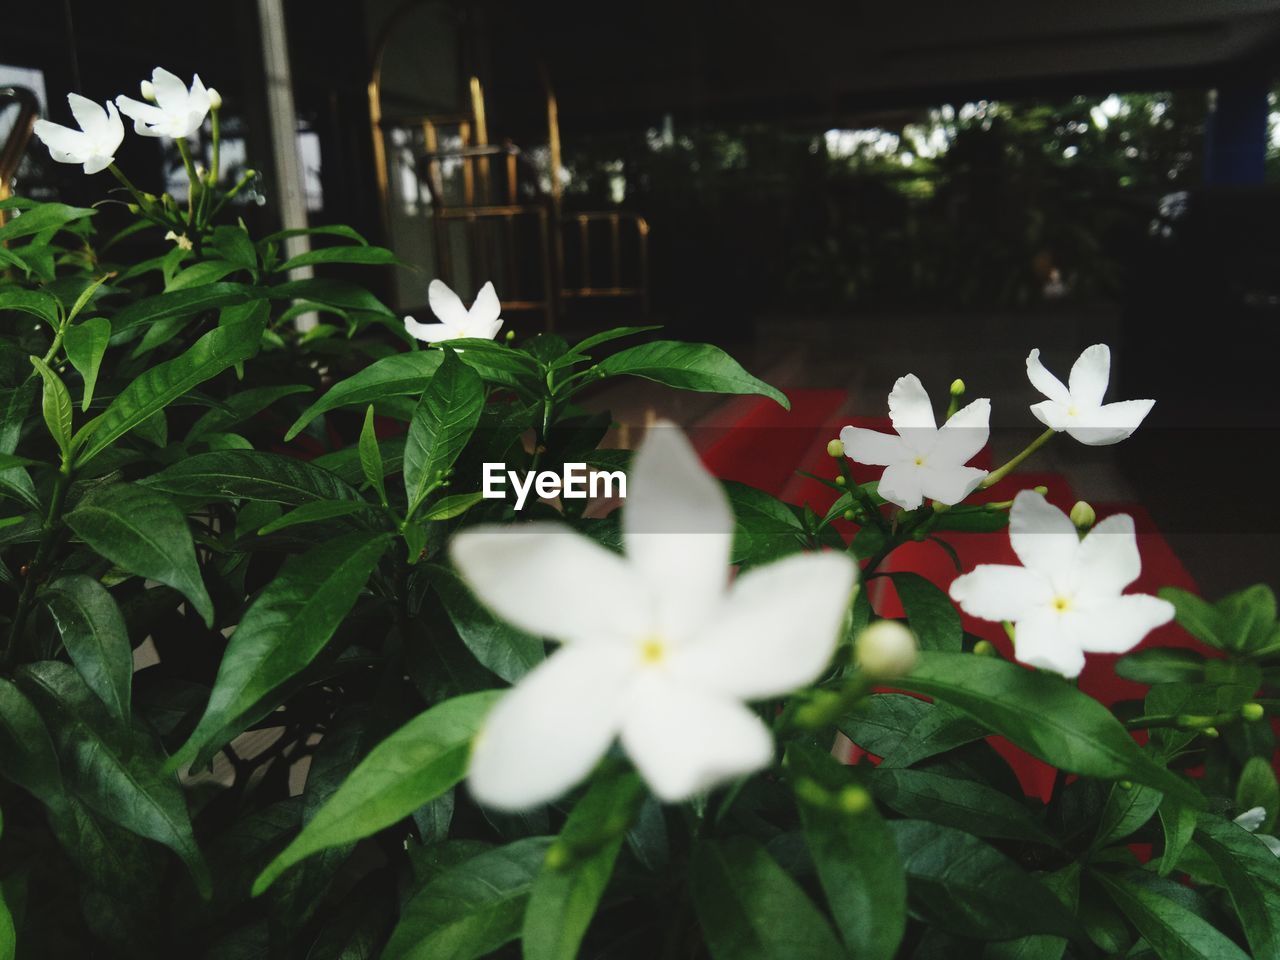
15 143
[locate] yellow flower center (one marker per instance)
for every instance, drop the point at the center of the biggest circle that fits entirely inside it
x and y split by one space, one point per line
919 461
1061 604
653 650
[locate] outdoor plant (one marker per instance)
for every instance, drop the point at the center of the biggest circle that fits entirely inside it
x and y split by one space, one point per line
278 680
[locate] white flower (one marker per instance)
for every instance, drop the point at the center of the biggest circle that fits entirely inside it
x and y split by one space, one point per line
181 239
658 648
482 321
1251 820
177 112
922 460
886 649
1065 601
94 144
1079 409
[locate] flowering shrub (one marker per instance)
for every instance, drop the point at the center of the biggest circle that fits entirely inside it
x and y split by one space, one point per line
439 726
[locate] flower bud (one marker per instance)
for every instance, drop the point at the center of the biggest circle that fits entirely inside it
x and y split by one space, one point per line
886 649
511 335
1042 490
984 648
1253 712
849 515
835 448
854 799
148 91
215 99
841 481
957 387
1082 515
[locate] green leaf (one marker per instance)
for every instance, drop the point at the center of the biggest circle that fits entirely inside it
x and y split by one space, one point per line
968 888
579 351
33 302
56 406
1127 808
116 772
398 375
95 637
332 293
239 407
1257 787
156 388
854 852
1251 873
334 230
1065 884
577 868
371 457
881 723
1162 665
39 219
1044 715
173 306
201 274
454 505
86 344
1179 824
765 528
251 475
1171 930
232 244
357 253
314 512
965 804
144 532
498 363
689 366
750 908
442 423
282 632
27 757
471 909
1250 619
508 652
413 766
931 615
8 933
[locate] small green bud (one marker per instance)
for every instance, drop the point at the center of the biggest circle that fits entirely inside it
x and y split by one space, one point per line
134 208
1082 515
1042 490
841 481
1211 732
849 515
886 649
854 799
819 711
1253 712
835 448
558 856
812 793
215 99
984 648
957 387
511 335
1125 784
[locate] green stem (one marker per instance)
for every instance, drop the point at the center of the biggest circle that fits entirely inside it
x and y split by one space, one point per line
193 187
128 185
35 570
996 476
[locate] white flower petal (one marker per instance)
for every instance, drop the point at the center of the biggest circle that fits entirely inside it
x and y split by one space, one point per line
1107 559
1044 381
429 332
1252 818
486 307
147 119
684 741
553 582
1089 376
89 114
67 145
1043 537
996 591
445 304
777 630
1118 625
949 484
114 134
964 434
873 447
901 484
97 163
909 406
551 729
1042 641
677 530
1270 842
1111 423
1052 414
493 330
170 92
198 100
